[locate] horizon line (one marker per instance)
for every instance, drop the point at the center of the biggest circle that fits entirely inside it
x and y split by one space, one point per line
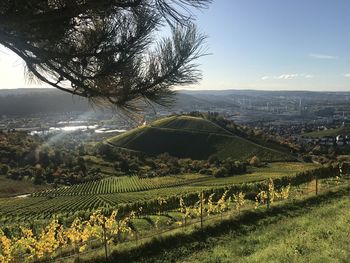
196 90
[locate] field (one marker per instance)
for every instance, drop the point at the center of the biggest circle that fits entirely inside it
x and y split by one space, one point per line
274 170
109 193
10 187
196 138
331 132
173 212
123 184
106 168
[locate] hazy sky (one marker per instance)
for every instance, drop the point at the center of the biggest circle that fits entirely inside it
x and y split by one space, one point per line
261 44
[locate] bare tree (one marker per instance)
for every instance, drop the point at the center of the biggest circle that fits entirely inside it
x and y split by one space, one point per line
106 50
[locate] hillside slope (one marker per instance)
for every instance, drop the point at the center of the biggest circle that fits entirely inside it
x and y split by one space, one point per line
345 130
191 137
287 233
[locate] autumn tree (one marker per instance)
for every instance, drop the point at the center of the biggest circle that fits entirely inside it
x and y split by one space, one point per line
255 161
106 50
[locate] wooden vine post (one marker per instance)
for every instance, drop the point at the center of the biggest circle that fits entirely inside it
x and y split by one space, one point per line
201 207
316 186
105 240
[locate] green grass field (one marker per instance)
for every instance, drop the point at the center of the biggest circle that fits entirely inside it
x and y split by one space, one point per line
9 187
196 138
106 168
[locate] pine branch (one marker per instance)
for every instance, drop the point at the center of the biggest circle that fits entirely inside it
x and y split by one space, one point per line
104 50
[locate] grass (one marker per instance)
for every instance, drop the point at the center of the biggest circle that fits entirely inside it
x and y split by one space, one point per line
106 168
298 239
179 143
308 230
125 137
9 187
196 138
270 144
238 148
91 159
190 124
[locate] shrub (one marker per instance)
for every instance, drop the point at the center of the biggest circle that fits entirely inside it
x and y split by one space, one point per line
255 161
205 171
4 168
220 172
213 159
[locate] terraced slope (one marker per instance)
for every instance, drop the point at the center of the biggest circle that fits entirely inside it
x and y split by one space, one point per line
106 193
124 184
190 137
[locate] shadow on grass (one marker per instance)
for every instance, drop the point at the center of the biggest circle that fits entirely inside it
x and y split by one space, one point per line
186 243
149 220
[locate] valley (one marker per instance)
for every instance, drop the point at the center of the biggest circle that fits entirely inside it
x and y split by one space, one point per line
172 176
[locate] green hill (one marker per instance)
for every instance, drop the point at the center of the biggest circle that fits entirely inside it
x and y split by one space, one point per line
191 137
345 130
189 123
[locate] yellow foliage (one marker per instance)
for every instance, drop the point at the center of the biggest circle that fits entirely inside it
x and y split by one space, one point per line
211 206
221 205
184 210
271 194
47 243
6 247
239 200
198 206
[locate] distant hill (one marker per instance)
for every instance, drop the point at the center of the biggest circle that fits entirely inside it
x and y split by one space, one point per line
190 137
330 132
25 102
44 100
30 101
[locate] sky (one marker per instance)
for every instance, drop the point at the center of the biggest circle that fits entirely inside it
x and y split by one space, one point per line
260 44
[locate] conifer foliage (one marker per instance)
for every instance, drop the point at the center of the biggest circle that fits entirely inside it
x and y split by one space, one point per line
106 50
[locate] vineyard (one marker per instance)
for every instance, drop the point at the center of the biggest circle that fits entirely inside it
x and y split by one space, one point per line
314 229
129 184
113 228
124 184
110 193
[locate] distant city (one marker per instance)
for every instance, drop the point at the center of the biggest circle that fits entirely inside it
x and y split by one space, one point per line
282 113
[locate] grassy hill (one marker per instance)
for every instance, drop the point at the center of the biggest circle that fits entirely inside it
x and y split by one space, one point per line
331 132
191 137
189 123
